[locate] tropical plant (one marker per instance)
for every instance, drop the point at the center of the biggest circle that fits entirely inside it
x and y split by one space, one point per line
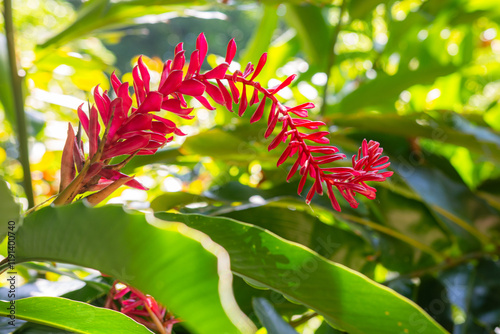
220 242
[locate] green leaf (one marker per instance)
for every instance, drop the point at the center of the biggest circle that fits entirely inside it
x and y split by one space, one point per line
11 218
386 88
476 139
172 200
89 292
435 181
341 295
429 288
222 145
464 214
32 328
165 156
271 319
181 267
413 219
105 14
332 242
262 36
312 30
73 316
245 293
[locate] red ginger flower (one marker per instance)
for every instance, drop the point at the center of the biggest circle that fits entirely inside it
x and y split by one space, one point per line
136 131
142 308
311 158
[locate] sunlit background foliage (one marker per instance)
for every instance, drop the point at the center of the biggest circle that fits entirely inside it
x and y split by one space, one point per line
420 77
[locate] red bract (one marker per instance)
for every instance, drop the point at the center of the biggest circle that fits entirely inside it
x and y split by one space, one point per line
142 308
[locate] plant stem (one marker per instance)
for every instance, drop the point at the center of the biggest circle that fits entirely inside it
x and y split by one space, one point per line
392 233
302 320
448 264
4 265
333 55
40 204
463 224
22 134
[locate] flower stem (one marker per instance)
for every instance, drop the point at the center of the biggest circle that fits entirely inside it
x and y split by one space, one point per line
69 193
22 134
157 321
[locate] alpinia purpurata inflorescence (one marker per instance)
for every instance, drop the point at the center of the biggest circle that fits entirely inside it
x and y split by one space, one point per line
131 130
142 308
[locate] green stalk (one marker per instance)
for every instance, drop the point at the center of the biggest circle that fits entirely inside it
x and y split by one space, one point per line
333 55
22 133
393 233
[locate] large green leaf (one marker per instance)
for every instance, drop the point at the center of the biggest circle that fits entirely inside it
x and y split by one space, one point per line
181 267
73 316
411 237
10 210
341 295
333 242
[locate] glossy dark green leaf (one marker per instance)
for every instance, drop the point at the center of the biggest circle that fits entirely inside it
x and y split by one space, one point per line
73 316
485 304
469 217
271 319
432 297
341 295
459 283
490 191
177 265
